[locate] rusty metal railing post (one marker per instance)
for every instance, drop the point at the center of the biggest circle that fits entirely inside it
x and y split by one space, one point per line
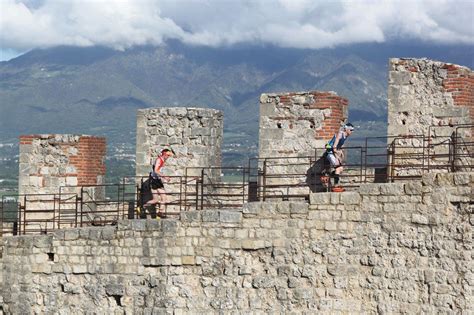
180 194
202 189
59 209
452 152
118 200
243 185
264 180
81 203
24 215
54 214
75 210
391 160
196 194
427 157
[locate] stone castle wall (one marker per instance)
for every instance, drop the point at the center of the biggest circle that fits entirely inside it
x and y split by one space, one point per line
424 93
195 134
295 124
388 248
50 161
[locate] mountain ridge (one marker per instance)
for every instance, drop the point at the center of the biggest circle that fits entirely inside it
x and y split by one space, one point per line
83 90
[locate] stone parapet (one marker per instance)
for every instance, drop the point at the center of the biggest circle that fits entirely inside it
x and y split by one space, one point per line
387 248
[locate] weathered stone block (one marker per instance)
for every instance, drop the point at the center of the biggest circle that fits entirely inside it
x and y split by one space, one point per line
461 178
44 241
283 207
226 216
153 225
399 77
253 244
193 231
369 189
191 216
413 188
335 198
71 234
188 260
351 198
114 289
251 207
392 189
79 268
210 216
330 226
263 282
444 179
298 207
419 219
138 225
169 227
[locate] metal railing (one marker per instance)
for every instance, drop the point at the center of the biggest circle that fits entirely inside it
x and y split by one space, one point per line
36 213
222 187
379 159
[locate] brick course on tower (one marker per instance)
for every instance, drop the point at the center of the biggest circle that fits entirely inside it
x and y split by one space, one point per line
460 84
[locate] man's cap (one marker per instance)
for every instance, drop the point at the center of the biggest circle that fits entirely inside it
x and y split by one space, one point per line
349 126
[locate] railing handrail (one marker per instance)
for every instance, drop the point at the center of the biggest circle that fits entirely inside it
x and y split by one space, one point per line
202 187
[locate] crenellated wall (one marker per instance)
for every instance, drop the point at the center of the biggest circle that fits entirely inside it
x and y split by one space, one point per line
387 248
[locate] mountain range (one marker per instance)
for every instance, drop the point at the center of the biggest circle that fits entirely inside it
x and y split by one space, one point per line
97 90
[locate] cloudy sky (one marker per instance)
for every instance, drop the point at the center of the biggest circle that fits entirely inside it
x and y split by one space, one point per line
28 24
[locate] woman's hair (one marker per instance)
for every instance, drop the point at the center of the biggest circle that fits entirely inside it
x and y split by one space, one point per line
168 150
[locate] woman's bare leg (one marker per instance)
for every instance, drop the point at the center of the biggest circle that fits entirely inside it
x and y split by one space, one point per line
156 197
163 202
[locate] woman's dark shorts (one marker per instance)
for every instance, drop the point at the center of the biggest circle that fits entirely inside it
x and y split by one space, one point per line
156 183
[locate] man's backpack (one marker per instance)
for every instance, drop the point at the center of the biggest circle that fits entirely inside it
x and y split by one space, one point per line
144 195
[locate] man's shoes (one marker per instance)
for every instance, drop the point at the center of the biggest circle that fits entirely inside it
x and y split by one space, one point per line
338 189
161 215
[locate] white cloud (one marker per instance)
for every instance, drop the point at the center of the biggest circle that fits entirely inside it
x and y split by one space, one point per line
287 23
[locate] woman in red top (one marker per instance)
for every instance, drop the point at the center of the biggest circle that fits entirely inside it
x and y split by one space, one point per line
156 183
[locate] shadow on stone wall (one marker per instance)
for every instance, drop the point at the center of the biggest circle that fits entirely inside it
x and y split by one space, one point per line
313 175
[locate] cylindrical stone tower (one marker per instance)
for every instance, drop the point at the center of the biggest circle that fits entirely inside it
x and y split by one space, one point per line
295 124
50 161
195 134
